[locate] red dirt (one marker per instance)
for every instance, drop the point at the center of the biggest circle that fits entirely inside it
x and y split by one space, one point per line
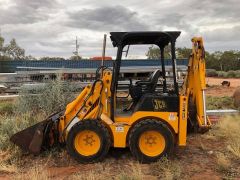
197 161
216 89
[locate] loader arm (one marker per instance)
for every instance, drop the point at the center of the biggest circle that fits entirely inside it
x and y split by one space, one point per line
195 84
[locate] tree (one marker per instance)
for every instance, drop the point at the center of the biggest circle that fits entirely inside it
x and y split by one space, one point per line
229 60
51 58
223 61
154 52
1 45
183 52
14 51
30 57
76 57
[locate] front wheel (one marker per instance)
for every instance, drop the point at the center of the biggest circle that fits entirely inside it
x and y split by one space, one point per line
88 141
149 140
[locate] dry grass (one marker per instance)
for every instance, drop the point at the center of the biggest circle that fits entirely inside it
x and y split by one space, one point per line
134 172
228 127
100 171
223 162
166 169
7 168
36 172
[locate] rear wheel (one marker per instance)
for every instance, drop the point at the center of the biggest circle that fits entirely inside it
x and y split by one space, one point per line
149 140
88 141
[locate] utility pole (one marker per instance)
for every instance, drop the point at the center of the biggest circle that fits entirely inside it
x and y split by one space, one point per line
104 48
76 52
103 51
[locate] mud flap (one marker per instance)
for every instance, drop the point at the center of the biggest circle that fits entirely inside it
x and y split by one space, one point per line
37 137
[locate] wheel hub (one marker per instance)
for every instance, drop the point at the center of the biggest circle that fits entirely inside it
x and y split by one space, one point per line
89 140
87 143
150 140
151 143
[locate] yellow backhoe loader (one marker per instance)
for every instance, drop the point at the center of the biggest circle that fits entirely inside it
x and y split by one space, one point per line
150 126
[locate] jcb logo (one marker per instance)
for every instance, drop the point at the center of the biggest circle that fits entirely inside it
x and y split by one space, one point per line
158 104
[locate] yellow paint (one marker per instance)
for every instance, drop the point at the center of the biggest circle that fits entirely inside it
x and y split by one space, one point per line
87 143
151 143
182 135
119 138
164 116
119 132
97 106
195 81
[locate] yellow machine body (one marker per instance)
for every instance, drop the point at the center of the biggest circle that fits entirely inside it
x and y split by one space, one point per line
177 121
93 106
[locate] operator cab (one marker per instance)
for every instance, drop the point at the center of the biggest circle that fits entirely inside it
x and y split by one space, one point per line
144 94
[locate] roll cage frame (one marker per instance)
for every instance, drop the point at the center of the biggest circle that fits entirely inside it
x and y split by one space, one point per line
159 38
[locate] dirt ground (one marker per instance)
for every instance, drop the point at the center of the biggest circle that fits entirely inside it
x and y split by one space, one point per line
198 160
216 89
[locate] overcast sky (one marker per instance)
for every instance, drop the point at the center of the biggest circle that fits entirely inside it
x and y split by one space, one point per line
49 27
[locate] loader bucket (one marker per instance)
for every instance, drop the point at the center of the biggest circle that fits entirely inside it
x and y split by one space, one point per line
36 138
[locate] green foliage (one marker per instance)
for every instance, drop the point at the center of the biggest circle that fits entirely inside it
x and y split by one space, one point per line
222 74
223 61
220 61
154 52
1 43
14 51
75 58
10 125
11 51
225 102
211 73
52 97
29 109
6 107
51 58
183 52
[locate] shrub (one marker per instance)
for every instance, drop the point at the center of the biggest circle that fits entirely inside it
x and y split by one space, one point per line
222 74
231 74
236 98
225 102
53 97
6 107
228 127
211 73
237 74
30 109
166 169
10 125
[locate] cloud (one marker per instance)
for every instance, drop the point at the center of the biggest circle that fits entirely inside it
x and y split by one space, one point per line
108 18
26 11
49 27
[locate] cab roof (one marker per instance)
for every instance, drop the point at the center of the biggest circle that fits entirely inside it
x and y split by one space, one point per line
160 38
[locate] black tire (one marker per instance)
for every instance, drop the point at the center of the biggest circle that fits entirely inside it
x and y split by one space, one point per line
102 132
146 125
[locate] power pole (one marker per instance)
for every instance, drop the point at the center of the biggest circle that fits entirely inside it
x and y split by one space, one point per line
76 52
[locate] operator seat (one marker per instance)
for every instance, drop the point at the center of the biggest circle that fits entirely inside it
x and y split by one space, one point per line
142 87
150 85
